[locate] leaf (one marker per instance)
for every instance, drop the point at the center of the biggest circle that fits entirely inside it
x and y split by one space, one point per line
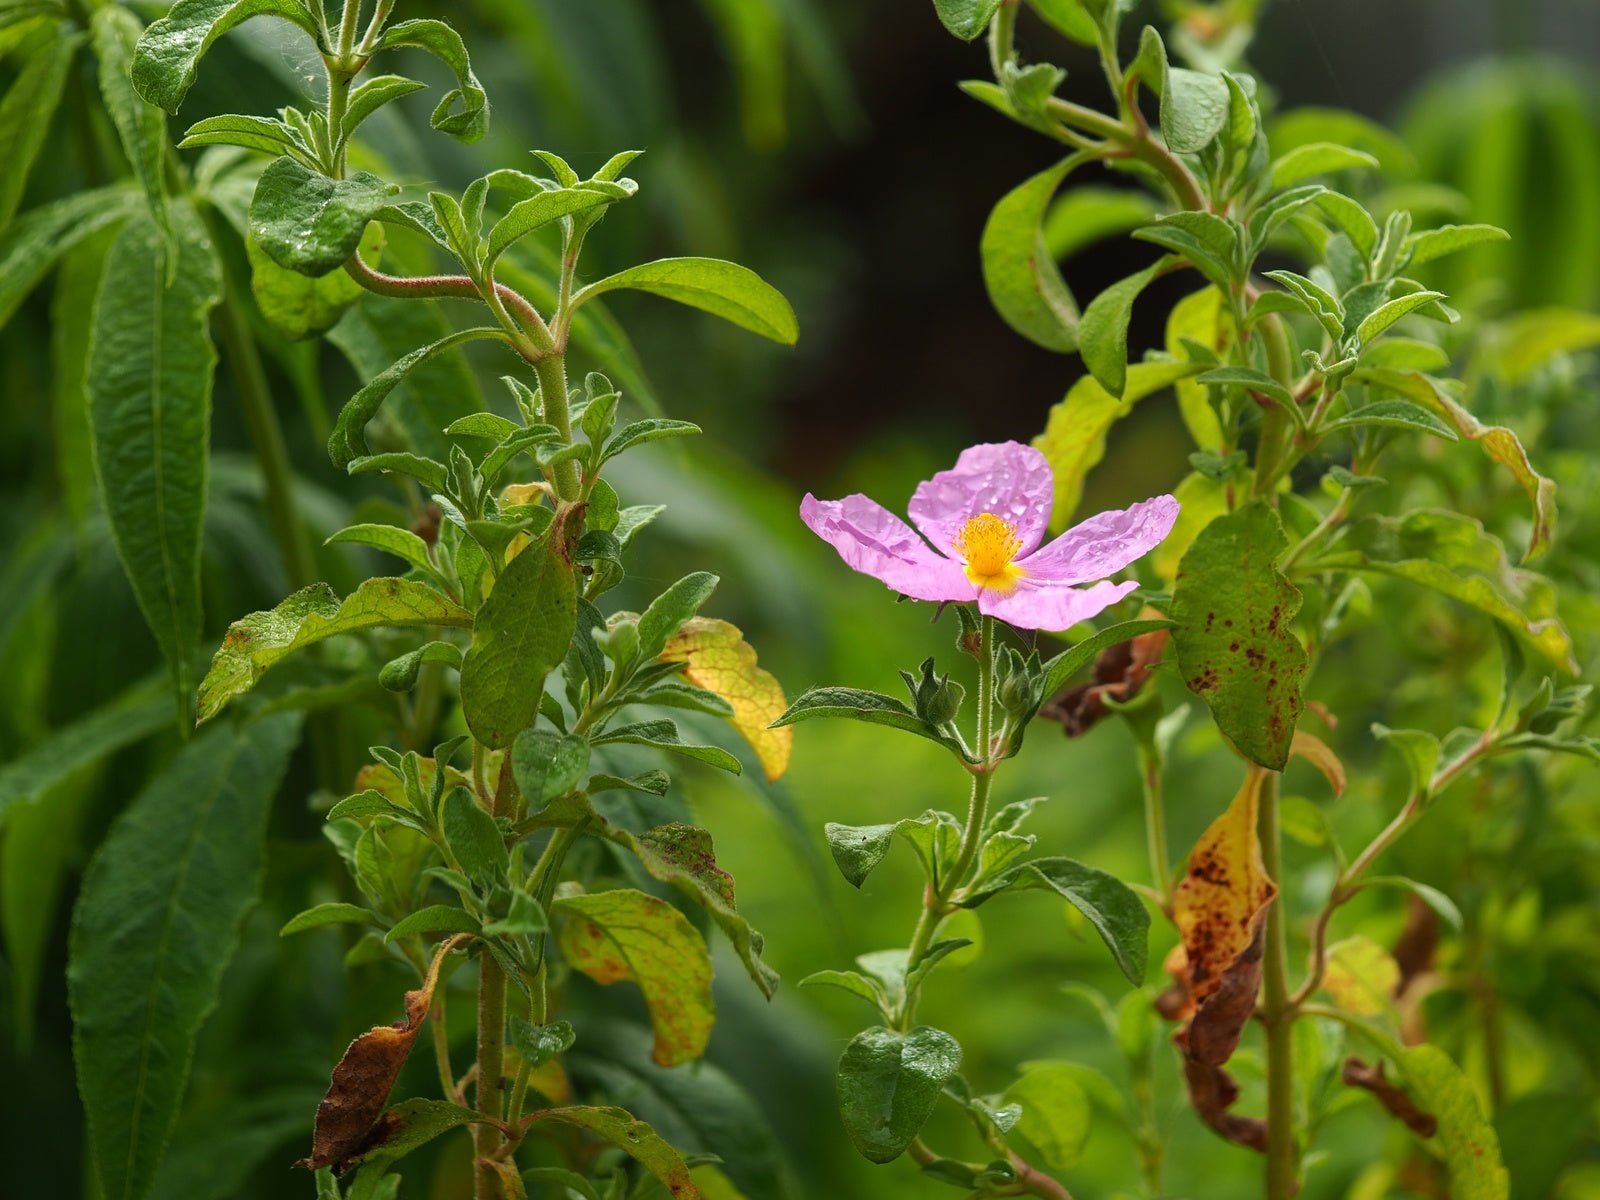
1061 669
1471 1149
1388 313
141 127
30 245
639 432
1219 908
1360 976
149 376
965 18
309 223
683 856
1056 1116
1249 378
326 914
1113 908
1194 108
1103 331
724 289
1074 437
520 634
718 659
156 924
1498 442
664 736
300 306
1351 219
351 1124
872 707
1513 349
131 717
1320 755
268 135
257 642
26 111
1396 414
1233 609
888 1083
1088 214
168 54
1317 158
373 95
669 611
1431 896
1019 269
349 441
1430 244
1198 318
391 539
626 935
635 1138
406 1126
464 111
538 210
1201 500
547 765
1316 300
858 849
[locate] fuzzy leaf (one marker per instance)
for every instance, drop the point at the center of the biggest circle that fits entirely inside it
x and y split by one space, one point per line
724 289
142 127
464 111
309 223
30 245
888 1083
965 18
168 54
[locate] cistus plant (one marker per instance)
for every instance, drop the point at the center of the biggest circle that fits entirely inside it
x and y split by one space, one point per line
1313 371
509 828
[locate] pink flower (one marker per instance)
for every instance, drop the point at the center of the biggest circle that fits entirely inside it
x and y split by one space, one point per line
985 519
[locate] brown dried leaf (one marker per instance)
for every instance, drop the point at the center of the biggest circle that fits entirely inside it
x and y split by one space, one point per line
1358 1074
1119 673
1321 756
1212 1092
349 1117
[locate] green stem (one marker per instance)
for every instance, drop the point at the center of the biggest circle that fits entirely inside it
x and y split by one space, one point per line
491 1071
1155 825
552 373
1277 1011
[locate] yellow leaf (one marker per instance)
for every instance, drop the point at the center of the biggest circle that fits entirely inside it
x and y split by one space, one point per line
1361 976
1321 756
1200 501
720 660
1199 318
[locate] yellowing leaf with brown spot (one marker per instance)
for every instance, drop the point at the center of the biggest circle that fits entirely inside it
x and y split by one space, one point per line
720 660
1321 756
1361 976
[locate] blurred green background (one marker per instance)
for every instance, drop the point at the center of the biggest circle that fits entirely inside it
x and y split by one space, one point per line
824 143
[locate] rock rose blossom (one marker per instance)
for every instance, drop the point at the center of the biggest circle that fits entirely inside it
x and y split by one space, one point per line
983 521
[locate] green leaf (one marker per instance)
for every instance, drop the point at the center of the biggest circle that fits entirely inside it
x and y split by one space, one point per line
373 95
299 306
527 215
651 430
474 837
1088 214
858 849
25 116
1519 346
265 134
519 636
1397 414
634 1137
627 935
1470 1147
683 856
438 918
406 1126
1351 218
155 927
1056 1116
257 642
133 716
168 54
1074 437
1060 670
1421 751
669 612
1247 377
464 111
1233 609
1431 896
1211 243
1103 331
333 913
724 289
888 1083
149 377
875 708
1019 269
1387 314
1318 158
391 539
1194 108
1113 908
663 735
1430 244
309 223
1317 301
141 127
349 441
546 765
965 18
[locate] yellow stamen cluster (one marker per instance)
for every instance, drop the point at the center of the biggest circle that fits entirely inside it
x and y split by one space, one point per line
988 544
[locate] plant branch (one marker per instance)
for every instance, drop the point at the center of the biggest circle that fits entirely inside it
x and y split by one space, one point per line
529 324
1277 1012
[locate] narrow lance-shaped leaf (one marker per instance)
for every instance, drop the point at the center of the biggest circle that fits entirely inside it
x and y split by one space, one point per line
259 641
141 126
520 634
25 116
168 54
724 289
150 368
156 924
464 111
30 246
1103 331
1235 650
1024 284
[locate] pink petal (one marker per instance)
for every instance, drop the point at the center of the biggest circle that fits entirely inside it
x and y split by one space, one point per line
875 542
1104 544
1008 479
1051 606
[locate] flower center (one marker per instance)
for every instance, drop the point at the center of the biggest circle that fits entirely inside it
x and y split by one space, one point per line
988 544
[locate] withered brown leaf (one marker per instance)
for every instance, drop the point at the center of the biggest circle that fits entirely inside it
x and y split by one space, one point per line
1358 1074
1119 672
349 1118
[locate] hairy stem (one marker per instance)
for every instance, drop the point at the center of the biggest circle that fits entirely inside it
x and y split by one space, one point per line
1155 826
1277 1013
491 1071
552 373
456 287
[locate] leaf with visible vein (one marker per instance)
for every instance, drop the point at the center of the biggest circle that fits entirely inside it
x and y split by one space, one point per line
25 116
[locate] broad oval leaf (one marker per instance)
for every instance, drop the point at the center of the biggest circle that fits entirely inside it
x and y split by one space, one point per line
1019 270
888 1083
149 382
717 658
257 642
724 289
155 926
1056 1115
965 18
1233 608
309 223
168 54
626 935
